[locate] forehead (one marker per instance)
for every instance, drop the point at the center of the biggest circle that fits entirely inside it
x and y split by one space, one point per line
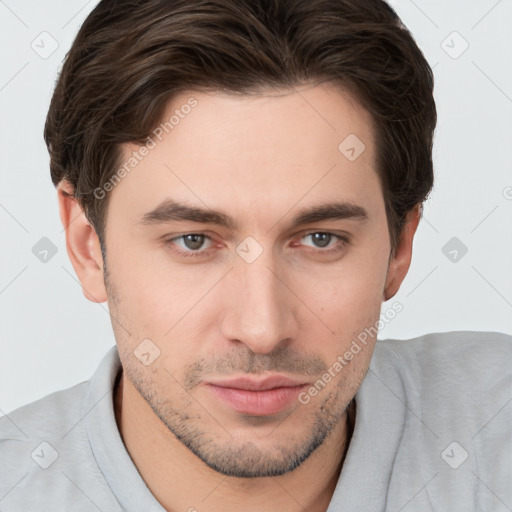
259 153
267 123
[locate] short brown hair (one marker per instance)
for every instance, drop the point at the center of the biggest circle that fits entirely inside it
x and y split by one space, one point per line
131 57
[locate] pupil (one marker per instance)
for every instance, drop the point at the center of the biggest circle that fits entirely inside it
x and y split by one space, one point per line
324 240
197 241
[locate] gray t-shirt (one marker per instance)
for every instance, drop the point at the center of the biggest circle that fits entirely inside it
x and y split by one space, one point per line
433 432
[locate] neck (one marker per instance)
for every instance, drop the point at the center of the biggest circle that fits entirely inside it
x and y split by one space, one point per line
181 481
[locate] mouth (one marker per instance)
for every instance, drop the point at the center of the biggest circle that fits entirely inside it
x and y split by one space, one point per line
257 397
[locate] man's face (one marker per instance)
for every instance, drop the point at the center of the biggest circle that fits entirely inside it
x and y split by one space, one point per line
264 298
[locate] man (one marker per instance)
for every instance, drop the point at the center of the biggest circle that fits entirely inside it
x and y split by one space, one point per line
242 182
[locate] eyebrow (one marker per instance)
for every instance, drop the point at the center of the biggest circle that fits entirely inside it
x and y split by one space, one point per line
170 210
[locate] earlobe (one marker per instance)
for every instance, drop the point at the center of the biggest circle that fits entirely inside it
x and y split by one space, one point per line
82 245
401 260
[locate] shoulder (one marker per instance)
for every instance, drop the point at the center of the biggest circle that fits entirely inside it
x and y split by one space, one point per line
45 454
46 447
57 413
457 354
453 394
37 435
443 401
51 415
460 378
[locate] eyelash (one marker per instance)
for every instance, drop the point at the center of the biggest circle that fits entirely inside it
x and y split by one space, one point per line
343 241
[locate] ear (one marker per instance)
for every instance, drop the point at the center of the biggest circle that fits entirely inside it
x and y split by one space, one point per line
401 260
82 244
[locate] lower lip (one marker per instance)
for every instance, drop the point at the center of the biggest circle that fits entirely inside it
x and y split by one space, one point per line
258 403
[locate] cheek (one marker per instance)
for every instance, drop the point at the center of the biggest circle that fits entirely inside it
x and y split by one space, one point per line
353 289
349 302
158 306
152 292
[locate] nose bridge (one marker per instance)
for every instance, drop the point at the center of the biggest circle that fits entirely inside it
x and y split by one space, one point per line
259 314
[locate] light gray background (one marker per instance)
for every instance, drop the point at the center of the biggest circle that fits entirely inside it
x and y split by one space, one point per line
52 337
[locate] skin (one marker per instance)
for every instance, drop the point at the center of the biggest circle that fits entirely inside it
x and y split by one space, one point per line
292 311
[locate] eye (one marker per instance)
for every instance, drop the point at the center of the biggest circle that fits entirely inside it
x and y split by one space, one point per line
322 239
192 243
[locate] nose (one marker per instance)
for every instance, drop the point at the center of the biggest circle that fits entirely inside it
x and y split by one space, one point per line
259 308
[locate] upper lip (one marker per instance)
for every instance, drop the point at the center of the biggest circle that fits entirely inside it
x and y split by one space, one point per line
258 384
